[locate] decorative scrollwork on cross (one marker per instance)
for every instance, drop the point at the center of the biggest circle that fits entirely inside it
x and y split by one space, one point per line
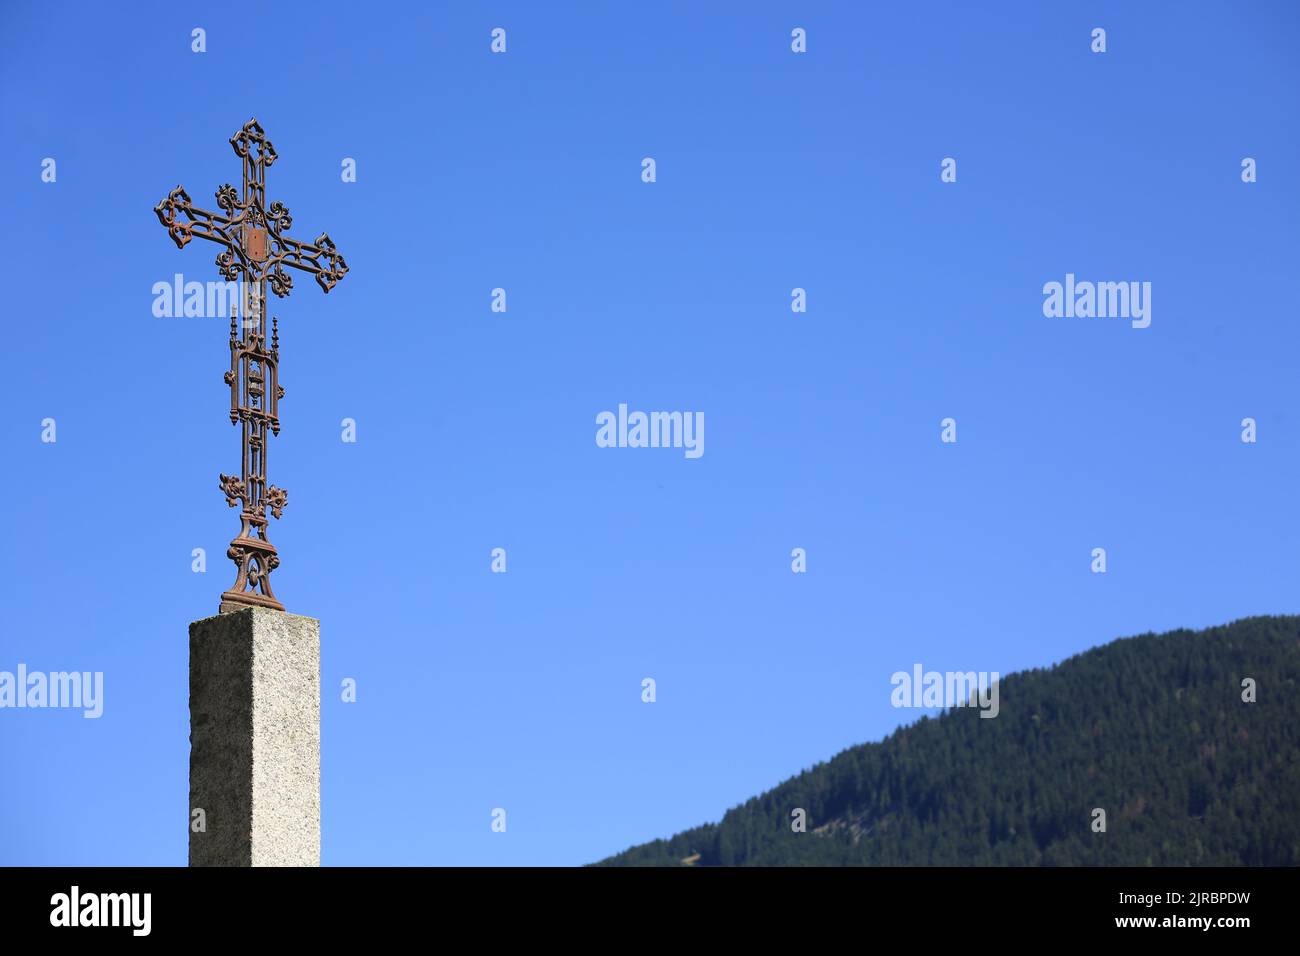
255 249
228 266
276 500
278 216
227 198
232 486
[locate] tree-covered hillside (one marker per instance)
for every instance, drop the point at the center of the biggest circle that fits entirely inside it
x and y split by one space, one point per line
1151 729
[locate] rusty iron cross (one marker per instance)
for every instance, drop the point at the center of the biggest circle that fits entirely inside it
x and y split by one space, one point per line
255 252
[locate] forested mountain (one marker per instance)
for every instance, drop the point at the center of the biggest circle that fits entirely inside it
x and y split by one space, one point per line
1152 729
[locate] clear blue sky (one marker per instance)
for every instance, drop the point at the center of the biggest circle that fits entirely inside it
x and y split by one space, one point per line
476 430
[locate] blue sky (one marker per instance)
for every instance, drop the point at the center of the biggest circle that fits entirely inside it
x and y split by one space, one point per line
475 430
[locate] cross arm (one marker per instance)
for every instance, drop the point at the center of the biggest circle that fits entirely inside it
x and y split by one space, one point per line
184 220
320 258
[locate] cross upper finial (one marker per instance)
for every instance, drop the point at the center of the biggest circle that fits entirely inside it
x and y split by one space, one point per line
253 136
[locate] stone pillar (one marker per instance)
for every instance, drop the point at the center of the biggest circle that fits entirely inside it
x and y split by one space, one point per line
255 739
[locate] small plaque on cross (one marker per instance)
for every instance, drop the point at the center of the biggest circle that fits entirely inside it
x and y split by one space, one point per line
255 243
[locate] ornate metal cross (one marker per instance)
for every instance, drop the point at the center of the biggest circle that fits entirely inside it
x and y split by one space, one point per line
255 252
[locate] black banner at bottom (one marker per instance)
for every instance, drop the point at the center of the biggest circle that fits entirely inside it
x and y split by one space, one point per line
928 905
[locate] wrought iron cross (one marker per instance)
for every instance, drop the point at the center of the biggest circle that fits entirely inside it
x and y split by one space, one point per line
255 252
